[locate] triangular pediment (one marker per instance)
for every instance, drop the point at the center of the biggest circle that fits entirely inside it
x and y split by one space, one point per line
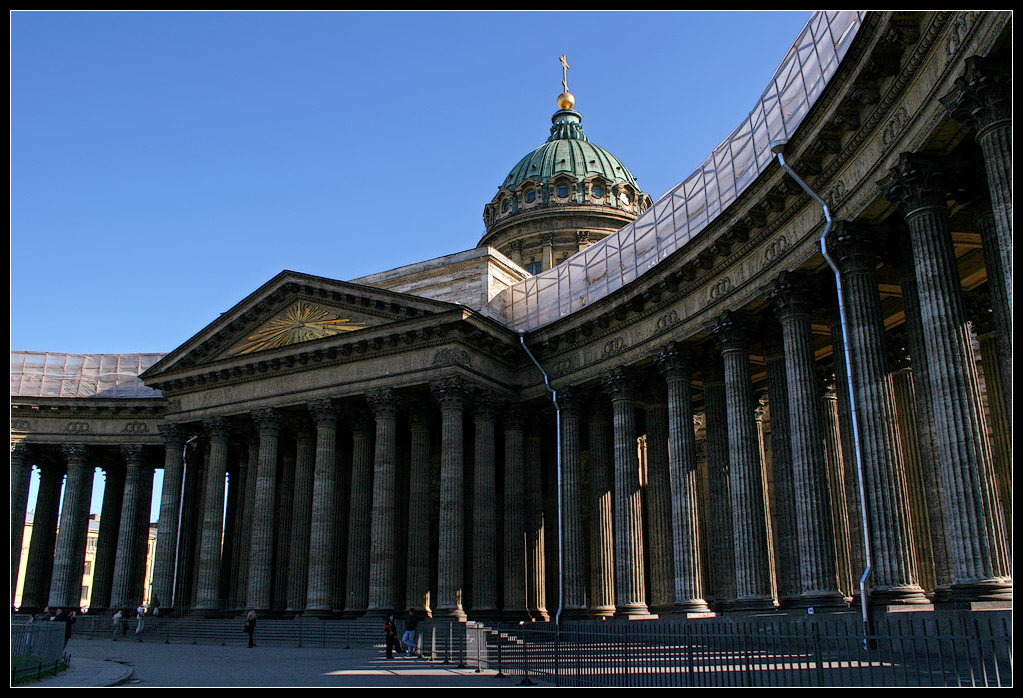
302 321
293 309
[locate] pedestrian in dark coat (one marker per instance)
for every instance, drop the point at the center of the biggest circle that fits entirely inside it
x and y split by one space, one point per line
250 626
391 636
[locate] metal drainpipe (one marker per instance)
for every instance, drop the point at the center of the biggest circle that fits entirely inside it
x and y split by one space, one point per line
561 504
778 148
181 511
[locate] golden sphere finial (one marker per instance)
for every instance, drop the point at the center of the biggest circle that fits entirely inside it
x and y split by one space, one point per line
566 100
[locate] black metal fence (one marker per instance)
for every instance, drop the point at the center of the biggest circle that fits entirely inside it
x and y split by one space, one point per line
36 649
917 650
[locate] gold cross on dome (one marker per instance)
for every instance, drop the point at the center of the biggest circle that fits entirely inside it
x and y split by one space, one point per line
564 71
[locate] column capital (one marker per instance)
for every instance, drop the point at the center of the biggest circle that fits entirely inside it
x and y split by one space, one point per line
268 420
982 97
384 403
173 435
132 454
513 418
915 183
619 382
75 454
732 331
675 361
570 400
854 246
21 454
487 404
323 413
218 428
790 295
451 392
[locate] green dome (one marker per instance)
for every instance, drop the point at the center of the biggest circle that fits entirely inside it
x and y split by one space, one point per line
568 151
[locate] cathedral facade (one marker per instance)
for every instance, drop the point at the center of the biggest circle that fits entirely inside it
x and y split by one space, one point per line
613 407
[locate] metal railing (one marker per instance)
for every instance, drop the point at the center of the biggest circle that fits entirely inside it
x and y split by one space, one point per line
36 649
926 650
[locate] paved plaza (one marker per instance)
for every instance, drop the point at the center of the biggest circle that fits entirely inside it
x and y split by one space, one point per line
105 663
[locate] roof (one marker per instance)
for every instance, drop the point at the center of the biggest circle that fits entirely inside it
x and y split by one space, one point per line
52 374
568 151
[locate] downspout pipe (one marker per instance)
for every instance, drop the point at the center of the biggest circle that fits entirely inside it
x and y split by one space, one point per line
561 503
778 148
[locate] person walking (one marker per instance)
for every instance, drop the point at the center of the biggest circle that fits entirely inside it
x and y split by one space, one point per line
116 622
250 626
409 637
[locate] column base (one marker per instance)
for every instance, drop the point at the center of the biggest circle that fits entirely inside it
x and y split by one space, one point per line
998 589
490 614
319 613
601 612
909 594
697 607
822 600
456 614
755 603
634 611
574 614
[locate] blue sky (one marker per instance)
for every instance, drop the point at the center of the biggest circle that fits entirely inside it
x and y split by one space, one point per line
166 164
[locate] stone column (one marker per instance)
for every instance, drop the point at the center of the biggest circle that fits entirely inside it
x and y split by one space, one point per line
602 550
284 504
977 536
921 412
384 404
1001 426
905 409
261 552
894 575
676 364
536 563
514 607
35 593
857 551
170 510
982 99
418 579
573 549
208 591
657 498
628 510
341 557
360 515
69 558
999 320
786 537
749 522
452 394
189 525
106 543
21 476
722 550
324 515
234 532
790 295
301 519
837 479
249 497
484 555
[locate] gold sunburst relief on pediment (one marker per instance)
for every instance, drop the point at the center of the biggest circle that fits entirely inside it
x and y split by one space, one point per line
301 322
